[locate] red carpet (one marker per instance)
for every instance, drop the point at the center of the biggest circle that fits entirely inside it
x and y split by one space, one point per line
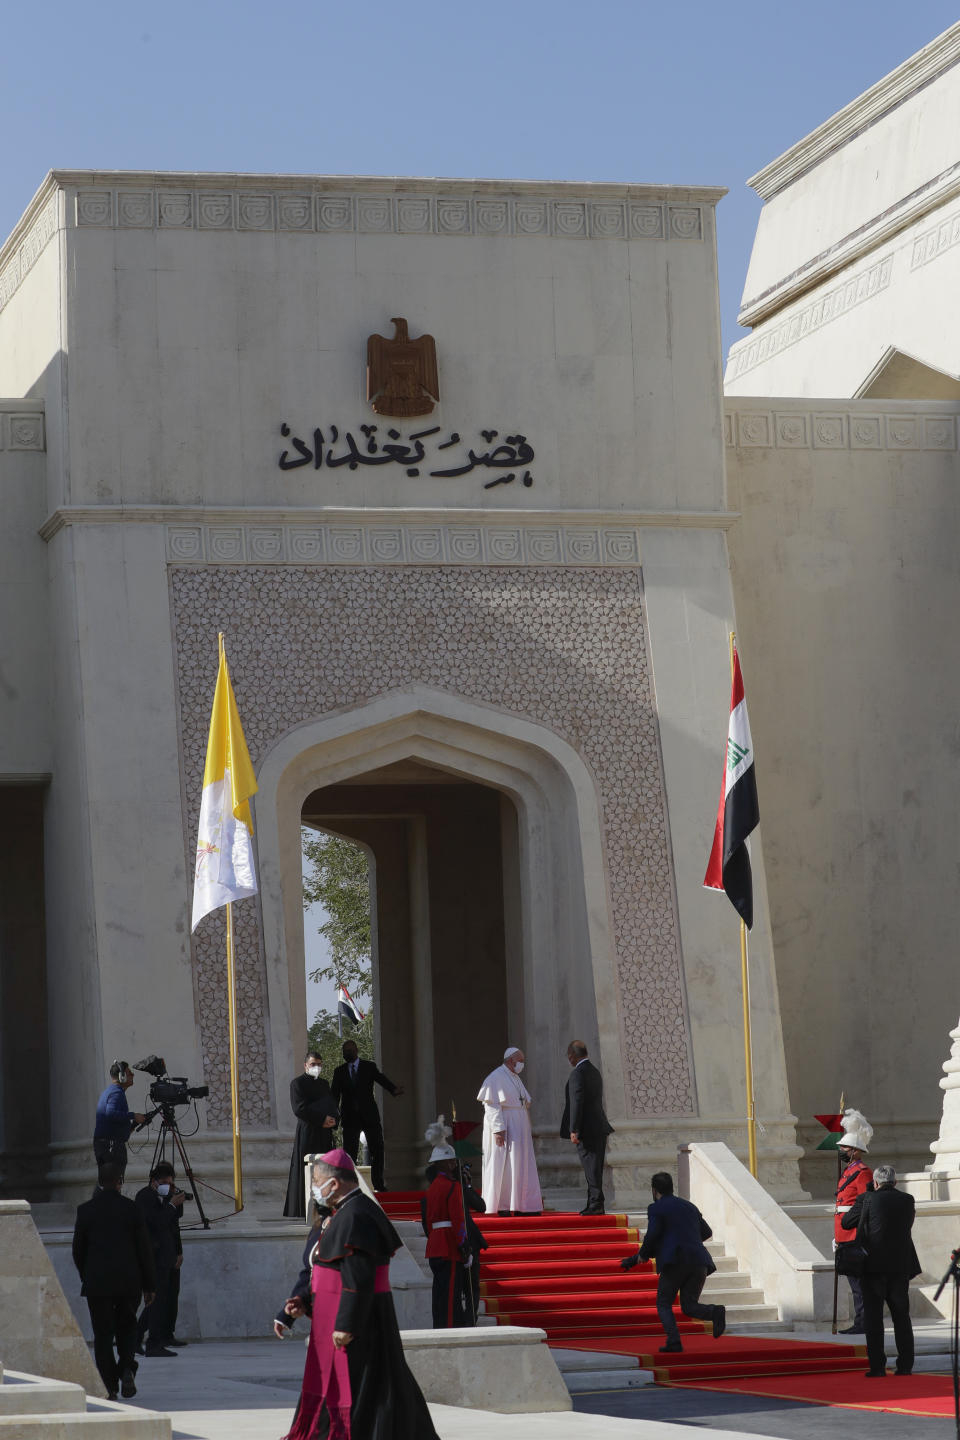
560 1272
930 1395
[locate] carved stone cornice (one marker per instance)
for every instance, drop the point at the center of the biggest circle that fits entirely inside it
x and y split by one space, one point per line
865 425
918 71
319 204
236 535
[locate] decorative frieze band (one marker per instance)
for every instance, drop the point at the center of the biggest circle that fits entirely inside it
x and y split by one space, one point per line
934 241
22 432
402 545
829 306
838 430
23 259
364 214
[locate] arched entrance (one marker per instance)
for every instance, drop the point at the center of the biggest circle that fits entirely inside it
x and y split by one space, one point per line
491 913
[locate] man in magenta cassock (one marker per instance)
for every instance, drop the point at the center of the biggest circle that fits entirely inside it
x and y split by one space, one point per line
356 1383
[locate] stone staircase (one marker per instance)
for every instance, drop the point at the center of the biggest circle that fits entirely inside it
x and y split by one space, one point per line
33 1408
730 1286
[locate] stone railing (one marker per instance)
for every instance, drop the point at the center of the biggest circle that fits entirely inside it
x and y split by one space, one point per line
782 1262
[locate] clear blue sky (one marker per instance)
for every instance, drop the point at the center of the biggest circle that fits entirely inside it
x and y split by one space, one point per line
620 90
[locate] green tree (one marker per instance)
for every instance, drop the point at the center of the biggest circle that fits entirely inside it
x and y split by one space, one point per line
337 876
323 1039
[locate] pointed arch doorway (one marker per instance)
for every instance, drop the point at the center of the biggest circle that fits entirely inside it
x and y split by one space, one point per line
490 916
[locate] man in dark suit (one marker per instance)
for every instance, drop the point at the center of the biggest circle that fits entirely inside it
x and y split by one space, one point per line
883 1219
112 1252
352 1091
675 1234
584 1123
157 1203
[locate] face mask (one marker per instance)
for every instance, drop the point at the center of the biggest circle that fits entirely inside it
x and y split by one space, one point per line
320 1192
163 1190
518 1067
314 1070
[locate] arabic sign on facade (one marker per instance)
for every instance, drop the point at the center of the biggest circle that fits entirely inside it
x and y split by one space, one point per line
331 449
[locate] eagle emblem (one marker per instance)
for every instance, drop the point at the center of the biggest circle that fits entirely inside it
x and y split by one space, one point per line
402 373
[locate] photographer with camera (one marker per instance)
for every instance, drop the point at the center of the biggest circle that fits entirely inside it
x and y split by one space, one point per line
115 1119
160 1204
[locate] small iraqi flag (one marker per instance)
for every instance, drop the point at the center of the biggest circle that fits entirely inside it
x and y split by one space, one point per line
739 812
346 1008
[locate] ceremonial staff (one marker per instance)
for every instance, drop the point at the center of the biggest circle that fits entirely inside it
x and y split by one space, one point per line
831 1141
462 1147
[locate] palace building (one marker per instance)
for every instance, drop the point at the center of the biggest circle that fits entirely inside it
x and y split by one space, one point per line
450 466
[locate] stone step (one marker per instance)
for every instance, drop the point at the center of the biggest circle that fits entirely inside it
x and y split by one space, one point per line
751 1314
580 1382
105 1422
727 1280
22 1394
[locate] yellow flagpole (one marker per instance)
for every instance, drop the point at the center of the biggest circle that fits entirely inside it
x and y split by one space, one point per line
232 1024
745 992
234 1077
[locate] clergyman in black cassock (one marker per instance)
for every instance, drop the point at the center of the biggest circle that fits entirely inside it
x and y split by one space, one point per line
312 1104
362 1389
585 1123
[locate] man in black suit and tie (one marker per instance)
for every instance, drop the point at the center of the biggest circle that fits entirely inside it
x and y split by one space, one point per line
352 1091
883 1219
112 1252
584 1124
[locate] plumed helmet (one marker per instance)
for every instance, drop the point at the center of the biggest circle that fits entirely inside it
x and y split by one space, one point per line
857 1132
436 1135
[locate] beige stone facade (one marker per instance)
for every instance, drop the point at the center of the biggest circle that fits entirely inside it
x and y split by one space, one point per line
514 690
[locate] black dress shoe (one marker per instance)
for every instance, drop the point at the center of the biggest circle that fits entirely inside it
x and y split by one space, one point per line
111 1394
592 1210
670 1349
127 1385
852 1330
174 1341
152 1351
874 1374
898 1371
719 1320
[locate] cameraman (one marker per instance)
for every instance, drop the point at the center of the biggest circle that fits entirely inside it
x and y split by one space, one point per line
115 1120
160 1203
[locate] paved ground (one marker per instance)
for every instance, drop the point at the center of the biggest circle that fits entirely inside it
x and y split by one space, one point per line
247 1389
712 1411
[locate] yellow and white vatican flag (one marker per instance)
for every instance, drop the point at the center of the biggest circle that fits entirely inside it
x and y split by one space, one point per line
225 869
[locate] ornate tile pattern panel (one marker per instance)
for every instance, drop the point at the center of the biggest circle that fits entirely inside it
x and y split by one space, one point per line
562 647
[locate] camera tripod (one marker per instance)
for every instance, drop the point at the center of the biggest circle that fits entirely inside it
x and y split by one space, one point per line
170 1136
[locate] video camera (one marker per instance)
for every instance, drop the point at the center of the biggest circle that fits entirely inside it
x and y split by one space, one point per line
169 1089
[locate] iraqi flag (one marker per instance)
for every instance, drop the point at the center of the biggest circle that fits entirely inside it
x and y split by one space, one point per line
739 812
346 1009
224 870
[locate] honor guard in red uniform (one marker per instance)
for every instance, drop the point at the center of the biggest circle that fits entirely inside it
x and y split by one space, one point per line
855 1179
446 1230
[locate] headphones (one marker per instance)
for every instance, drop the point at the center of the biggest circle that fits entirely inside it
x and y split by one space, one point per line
123 1072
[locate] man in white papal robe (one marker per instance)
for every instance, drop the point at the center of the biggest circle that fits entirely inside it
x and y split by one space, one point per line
510 1180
